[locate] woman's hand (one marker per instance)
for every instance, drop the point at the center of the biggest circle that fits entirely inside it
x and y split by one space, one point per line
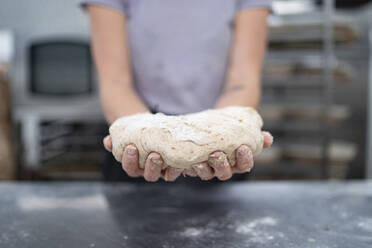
216 166
153 165
219 166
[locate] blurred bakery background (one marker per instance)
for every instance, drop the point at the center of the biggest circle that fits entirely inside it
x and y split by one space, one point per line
316 92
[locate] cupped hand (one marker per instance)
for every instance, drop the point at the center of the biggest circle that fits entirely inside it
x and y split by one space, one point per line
216 166
153 166
219 166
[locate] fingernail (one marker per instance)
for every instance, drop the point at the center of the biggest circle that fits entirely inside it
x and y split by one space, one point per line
249 166
215 155
173 174
246 167
198 168
131 151
166 176
190 172
241 152
157 161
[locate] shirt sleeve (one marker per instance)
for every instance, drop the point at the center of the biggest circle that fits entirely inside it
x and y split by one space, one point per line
118 5
246 4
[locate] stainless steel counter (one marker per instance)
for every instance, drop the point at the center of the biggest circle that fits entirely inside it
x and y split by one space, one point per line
275 214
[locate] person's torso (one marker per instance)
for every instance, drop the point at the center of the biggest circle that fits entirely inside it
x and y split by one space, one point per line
179 51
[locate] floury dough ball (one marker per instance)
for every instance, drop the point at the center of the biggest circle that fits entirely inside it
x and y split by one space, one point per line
188 139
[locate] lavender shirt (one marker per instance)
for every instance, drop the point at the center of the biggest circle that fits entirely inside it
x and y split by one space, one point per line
179 48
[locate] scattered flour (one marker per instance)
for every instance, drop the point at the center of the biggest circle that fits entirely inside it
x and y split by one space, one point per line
246 228
192 232
257 231
195 232
366 224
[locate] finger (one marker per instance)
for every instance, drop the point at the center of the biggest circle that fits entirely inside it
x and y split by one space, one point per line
244 159
171 174
268 139
204 171
107 143
130 161
218 161
190 172
153 166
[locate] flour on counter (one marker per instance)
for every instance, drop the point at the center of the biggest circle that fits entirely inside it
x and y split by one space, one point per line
258 231
366 224
195 232
249 227
192 232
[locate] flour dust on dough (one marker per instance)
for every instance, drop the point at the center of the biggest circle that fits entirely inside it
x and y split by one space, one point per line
188 139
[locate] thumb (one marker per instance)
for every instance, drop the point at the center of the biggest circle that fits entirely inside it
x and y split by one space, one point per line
107 142
268 139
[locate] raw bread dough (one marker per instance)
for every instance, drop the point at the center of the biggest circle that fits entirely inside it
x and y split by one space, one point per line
188 139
